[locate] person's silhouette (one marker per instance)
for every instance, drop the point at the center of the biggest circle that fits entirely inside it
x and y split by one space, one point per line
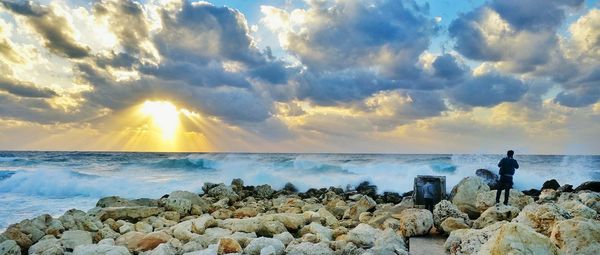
507 170
429 195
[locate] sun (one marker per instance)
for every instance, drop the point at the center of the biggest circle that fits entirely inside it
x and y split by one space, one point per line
165 117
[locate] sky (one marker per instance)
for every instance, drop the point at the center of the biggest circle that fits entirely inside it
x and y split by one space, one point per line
351 76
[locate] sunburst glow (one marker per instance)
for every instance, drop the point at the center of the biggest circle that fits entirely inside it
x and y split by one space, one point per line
165 117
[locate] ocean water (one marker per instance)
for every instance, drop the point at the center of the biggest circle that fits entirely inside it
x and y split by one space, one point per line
32 183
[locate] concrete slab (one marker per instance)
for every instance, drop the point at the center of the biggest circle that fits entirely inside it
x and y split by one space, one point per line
427 245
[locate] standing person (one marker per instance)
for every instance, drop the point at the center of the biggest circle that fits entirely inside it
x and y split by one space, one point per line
429 195
507 170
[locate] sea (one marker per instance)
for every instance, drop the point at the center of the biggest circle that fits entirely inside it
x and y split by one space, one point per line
34 183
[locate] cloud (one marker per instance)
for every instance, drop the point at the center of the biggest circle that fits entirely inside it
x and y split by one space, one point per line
55 30
534 14
24 89
488 90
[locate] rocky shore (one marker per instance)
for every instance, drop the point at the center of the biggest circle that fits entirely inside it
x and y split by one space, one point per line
239 219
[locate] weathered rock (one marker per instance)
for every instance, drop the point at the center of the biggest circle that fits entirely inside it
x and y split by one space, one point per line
450 224
577 236
222 214
367 189
415 222
495 214
309 249
180 205
591 186
256 245
548 195
323 233
284 237
388 242
72 238
100 249
591 200
130 240
133 213
152 240
143 227
228 245
115 201
270 228
514 238
363 235
13 233
186 230
245 212
464 195
264 191
391 197
364 204
221 191
469 241
542 217
516 198
10 247
489 177
78 220
550 184
163 249
291 221
193 197
565 188
248 225
578 209
444 209
243 238
106 232
330 219
46 246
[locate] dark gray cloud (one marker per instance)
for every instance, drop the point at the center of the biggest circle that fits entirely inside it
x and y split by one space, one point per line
534 14
127 21
55 30
581 92
447 67
488 90
24 89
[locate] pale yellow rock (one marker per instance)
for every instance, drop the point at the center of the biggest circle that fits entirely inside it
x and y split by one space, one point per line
464 194
228 245
514 238
450 224
415 222
516 198
577 236
495 214
542 217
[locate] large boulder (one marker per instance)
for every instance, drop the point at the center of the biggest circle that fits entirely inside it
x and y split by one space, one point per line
79 220
451 224
578 209
131 213
256 245
130 240
388 242
464 195
152 240
514 238
47 246
306 248
415 222
591 200
14 233
186 230
292 221
180 205
228 245
489 177
542 217
264 191
221 191
100 249
591 186
469 241
248 225
444 209
577 236
365 203
495 214
322 233
516 198
550 184
363 235
10 247
73 238
115 201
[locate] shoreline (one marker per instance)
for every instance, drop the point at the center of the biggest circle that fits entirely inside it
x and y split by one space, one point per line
260 220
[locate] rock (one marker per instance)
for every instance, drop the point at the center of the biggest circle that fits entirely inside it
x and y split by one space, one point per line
578 209
46 246
163 249
221 191
388 242
126 227
284 237
171 215
270 228
228 245
516 198
245 212
363 235
143 227
78 220
130 240
489 177
248 225
364 204
548 195
256 245
180 205
106 232
542 217
450 224
132 213
23 240
152 240
243 238
495 214
367 189
415 222
289 188
115 201
222 214
192 197
10 247
469 241
309 249
565 188
186 230
577 236
591 186
444 209
464 195
72 238
291 221
323 233
100 249
391 223
330 219
514 238
550 184
534 193
591 200
391 197
264 191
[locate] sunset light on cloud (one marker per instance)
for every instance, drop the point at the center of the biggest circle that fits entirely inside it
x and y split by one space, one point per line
389 76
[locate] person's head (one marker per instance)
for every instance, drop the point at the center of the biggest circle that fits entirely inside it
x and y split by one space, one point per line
510 153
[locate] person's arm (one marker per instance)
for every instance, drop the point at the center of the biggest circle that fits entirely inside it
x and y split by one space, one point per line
516 164
500 163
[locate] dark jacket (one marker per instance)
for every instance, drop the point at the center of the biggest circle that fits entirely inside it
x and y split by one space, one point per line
508 166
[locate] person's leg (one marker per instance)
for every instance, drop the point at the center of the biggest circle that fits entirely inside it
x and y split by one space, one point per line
498 192
506 195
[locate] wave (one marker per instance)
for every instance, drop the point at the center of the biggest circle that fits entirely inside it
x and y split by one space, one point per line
189 163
